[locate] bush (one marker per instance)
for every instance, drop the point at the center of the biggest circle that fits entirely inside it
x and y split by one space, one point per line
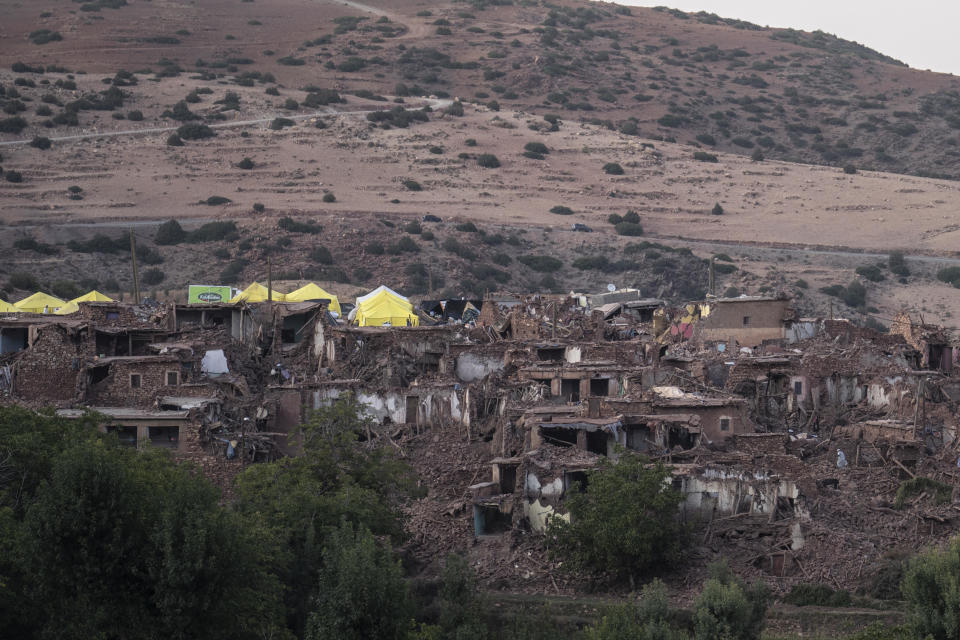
329 197
321 255
374 248
170 232
707 139
246 163
648 619
41 143
855 294
291 105
25 281
850 169
535 147
16 124
362 591
931 588
939 492
413 227
897 264
135 115
703 156
194 131
613 169
214 231
871 272
543 264
728 609
488 161
467 227
13 176
31 244
43 36
152 276
412 185
455 108
259 207
614 218
470 142
628 229
817 595
295 226
173 140
632 217
625 521
950 275
214 201
279 123
717 210
561 210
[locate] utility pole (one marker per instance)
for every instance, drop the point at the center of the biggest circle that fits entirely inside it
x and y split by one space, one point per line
136 277
831 309
270 280
713 277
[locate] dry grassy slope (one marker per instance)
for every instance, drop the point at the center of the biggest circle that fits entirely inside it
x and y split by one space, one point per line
829 102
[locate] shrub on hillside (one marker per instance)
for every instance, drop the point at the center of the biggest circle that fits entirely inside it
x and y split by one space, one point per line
561 210
613 169
543 264
628 229
703 156
170 232
488 161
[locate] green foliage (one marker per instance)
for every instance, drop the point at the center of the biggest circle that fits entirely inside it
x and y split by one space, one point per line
801 284
613 169
488 161
871 272
215 201
897 264
628 229
561 210
30 243
152 276
817 595
398 117
173 140
647 619
194 131
455 108
99 243
321 255
246 163
849 169
931 588
467 227
23 280
950 275
717 210
329 197
296 226
729 609
412 185
703 156
106 541
543 264
939 492
170 232
624 523
536 147
362 593
213 231
304 500
406 244
279 123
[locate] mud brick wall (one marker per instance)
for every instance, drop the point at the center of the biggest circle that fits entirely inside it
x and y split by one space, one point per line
115 389
760 443
49 372
210 460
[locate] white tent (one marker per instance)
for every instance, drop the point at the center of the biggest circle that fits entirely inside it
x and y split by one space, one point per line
378 291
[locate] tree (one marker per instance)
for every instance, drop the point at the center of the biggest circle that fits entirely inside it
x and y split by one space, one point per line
624 523
170 232
362 593
304 499
931 587
717 210
120 543
648 619
613 169
729 609
488 161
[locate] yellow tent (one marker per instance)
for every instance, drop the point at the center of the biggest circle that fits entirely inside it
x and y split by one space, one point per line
384 306
6 307
256 292
67 309
93 296
38 302
313 292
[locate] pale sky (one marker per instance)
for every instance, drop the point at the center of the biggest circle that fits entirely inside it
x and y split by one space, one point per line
921 33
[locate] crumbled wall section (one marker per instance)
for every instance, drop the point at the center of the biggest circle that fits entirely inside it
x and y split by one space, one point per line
52 374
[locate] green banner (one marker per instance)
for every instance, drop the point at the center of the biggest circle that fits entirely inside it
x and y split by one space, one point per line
207 294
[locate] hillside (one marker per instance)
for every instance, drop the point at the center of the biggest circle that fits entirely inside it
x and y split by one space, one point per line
656 73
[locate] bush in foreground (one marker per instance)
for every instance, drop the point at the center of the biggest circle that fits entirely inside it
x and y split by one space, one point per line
624 524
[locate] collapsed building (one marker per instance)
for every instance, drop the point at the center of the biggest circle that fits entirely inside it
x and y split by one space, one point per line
745 401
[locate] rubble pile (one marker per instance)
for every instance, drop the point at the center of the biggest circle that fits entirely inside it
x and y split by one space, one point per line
805 449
